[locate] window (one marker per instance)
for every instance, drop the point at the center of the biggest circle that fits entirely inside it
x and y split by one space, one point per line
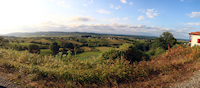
198 40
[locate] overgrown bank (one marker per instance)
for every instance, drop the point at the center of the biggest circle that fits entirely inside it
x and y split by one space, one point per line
112 68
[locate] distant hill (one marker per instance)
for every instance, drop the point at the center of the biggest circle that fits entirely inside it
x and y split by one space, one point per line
54 33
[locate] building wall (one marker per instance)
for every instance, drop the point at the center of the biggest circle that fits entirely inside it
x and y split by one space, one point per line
194 40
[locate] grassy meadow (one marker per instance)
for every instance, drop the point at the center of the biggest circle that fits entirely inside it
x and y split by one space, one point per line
88 51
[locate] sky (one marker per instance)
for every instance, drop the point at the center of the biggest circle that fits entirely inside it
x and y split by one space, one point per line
128 17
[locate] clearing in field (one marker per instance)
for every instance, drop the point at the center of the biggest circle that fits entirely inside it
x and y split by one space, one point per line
86 55
102 49
45 52
115 41
86 48
70 41
57 41
44 41
22 44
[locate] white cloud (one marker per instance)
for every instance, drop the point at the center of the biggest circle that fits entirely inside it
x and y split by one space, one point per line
193 23
117 7
112 20
182 0
81 19
113 28
140 17
126 18
104 11
84 4
123 1
195 14
148 21
111 5
141 10
151 13
91 1
52 0
131 3
62 3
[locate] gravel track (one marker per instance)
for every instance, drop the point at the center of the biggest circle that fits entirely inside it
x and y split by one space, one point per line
193 82
6 84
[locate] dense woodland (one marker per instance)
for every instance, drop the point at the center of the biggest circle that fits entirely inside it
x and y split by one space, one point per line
90 61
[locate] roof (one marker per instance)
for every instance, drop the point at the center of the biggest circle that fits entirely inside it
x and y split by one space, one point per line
195 33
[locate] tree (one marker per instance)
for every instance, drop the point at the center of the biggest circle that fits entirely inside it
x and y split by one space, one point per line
127 51
165 39
54 47
69 45
6 41
1 41
22 41
33 48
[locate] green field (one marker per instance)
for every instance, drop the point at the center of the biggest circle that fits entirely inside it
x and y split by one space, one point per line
102 49
86 55
45 52
22 44
44 41
88 51
70 41
86 48
57 41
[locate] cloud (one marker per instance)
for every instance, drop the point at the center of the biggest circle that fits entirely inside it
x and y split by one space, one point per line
131 3
103 11
188 28
113 28
91 1
140 17
117 7
81 19
193 23
151 13
62 3
148 21
182 0
195 14
111 5
126 18
84 4
123 1
141 10
112 20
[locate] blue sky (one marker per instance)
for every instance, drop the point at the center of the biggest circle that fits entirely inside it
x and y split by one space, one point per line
130 17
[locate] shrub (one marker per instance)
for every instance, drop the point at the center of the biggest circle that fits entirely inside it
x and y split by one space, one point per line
33 48
127 51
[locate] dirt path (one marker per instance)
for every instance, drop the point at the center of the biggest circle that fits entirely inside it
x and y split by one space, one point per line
3 81
7 84
192 82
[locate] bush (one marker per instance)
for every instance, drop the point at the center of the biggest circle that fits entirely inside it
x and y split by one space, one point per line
127 51
33 48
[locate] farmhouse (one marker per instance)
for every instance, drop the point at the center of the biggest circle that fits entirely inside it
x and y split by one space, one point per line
194 38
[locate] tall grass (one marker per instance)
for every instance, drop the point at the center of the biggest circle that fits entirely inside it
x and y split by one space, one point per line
98 71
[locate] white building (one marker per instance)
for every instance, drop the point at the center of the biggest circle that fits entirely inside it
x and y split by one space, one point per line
194 38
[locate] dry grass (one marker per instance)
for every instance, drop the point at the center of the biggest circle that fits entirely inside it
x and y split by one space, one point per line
70 41
162 71
44 41
86 48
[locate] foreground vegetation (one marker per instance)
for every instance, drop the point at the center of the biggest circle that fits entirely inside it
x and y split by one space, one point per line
114 70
